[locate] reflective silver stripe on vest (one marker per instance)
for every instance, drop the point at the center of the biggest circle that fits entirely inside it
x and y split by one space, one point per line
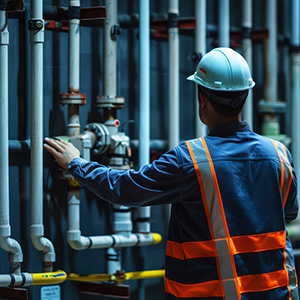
215 218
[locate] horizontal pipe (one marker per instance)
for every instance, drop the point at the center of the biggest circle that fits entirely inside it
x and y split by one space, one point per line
27 279
117 278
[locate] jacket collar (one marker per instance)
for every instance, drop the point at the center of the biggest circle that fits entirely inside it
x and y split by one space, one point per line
230 128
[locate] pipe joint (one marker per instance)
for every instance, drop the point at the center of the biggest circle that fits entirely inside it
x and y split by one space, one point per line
173 20
78 242
4 38
246 32
74 12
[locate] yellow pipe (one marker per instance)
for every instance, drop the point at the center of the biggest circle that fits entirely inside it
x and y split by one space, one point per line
48 278
117 277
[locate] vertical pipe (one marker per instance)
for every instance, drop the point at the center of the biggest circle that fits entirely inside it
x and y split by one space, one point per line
6 243
73 65
110 50
143 213
247 53
224 23
36 154
173 74
270 121
295 86
200 47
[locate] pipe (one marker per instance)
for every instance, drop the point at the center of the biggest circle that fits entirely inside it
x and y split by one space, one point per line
174 120
247 53
6 242
73 65
200 47
121 277
224 23
295 87
271 125
121 239
27 279
142 214
36 154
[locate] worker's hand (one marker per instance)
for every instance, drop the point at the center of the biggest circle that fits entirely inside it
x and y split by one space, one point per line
62 151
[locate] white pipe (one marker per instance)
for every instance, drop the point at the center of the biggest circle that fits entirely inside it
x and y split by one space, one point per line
144 128
174 122
74 68
295 86
224 23
247 53
36 154
200 47
6 243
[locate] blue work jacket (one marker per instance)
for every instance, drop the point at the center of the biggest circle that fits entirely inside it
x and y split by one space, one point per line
232 193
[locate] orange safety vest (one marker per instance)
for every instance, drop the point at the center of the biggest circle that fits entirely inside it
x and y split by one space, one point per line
223 247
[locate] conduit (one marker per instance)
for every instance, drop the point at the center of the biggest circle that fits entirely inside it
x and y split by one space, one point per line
200 47
224 23
142 214
247 53
6 242
36 154
121 277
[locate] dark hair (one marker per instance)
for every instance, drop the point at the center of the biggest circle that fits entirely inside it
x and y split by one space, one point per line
228 104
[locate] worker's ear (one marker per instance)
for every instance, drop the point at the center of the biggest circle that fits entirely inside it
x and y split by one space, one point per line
202 99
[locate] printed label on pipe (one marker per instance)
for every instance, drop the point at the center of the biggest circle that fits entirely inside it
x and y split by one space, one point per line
50 292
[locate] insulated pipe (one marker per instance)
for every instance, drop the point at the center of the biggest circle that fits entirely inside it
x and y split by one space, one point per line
173 74
73 65
200 47
295 79
142 214
6 243
247 53
224 23
36 154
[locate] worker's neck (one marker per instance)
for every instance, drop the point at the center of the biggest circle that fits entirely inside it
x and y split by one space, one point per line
221 120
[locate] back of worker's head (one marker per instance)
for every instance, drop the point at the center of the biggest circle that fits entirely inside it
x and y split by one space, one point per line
224 77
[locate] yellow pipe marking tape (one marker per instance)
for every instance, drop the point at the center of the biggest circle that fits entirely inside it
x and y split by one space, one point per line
48 278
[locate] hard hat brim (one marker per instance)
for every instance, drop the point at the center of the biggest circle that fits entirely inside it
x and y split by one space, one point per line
195 79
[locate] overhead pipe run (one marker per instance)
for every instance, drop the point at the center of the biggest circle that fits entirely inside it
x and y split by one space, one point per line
200 48
247 53
6 242
36 26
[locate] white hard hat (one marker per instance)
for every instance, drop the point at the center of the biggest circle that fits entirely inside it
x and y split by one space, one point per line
223 69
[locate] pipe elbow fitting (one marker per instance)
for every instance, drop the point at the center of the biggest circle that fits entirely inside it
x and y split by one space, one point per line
76 241
13 248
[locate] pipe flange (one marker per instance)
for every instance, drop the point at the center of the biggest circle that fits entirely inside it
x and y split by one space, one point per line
72 98
110 102
275 107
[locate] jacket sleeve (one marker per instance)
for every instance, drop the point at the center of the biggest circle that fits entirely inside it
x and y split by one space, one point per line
156 183
291 206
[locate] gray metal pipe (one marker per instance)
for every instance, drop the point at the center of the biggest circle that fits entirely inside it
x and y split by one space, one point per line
36 155
6 242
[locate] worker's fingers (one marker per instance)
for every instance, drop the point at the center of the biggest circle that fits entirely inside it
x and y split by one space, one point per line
56 144
51 150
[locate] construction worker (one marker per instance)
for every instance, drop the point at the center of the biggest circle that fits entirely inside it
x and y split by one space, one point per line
232 193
